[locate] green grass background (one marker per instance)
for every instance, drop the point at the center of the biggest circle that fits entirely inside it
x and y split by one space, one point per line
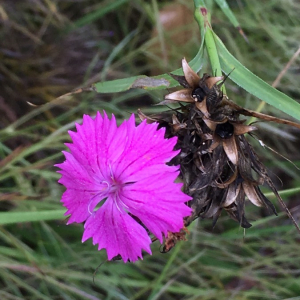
49 48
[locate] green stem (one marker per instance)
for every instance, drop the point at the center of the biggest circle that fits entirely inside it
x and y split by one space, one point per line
202 17
212 53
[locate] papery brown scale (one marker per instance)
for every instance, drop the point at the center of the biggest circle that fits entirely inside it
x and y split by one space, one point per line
191 77
212 81
183 95
173 238
240 203
214 204
203 108
143 117
232 193
251 193
243 129
230 149
225 184
181 79
175 120
213 146
210 124
267 203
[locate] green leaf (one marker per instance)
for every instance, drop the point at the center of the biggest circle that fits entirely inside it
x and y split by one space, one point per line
228 12
199 3
253 84
31 216
284 193
149 83
202 17
121 85
117 49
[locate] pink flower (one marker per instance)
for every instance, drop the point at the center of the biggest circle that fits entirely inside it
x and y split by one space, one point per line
118 183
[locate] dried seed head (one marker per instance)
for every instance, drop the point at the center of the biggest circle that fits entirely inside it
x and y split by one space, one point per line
218 166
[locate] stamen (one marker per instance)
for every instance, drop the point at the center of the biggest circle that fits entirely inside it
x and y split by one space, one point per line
105 182
99 194
111 172
118 202
90 202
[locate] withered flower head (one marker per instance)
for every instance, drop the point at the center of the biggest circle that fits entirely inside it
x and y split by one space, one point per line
218 166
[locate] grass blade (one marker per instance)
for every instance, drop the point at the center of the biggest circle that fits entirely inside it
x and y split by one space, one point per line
31 216
253 84
99 13
228 12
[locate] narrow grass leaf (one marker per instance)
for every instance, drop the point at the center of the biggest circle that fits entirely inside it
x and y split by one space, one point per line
253 84
121 85
257 232
115 52
31 216
199 3
228 12
98 13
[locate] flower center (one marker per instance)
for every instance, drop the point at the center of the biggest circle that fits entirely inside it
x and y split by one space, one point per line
113 187
110 189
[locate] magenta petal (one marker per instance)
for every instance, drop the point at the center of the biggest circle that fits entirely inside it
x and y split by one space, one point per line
114 230
76 204
90 143
147 148
75 175
159 205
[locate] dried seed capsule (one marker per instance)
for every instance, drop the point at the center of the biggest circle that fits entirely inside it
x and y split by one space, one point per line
225 130
199 94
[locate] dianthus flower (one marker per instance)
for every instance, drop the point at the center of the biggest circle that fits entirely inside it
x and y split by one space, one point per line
118 183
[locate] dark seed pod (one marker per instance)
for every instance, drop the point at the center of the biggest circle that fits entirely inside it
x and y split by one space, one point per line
199 94
224 130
